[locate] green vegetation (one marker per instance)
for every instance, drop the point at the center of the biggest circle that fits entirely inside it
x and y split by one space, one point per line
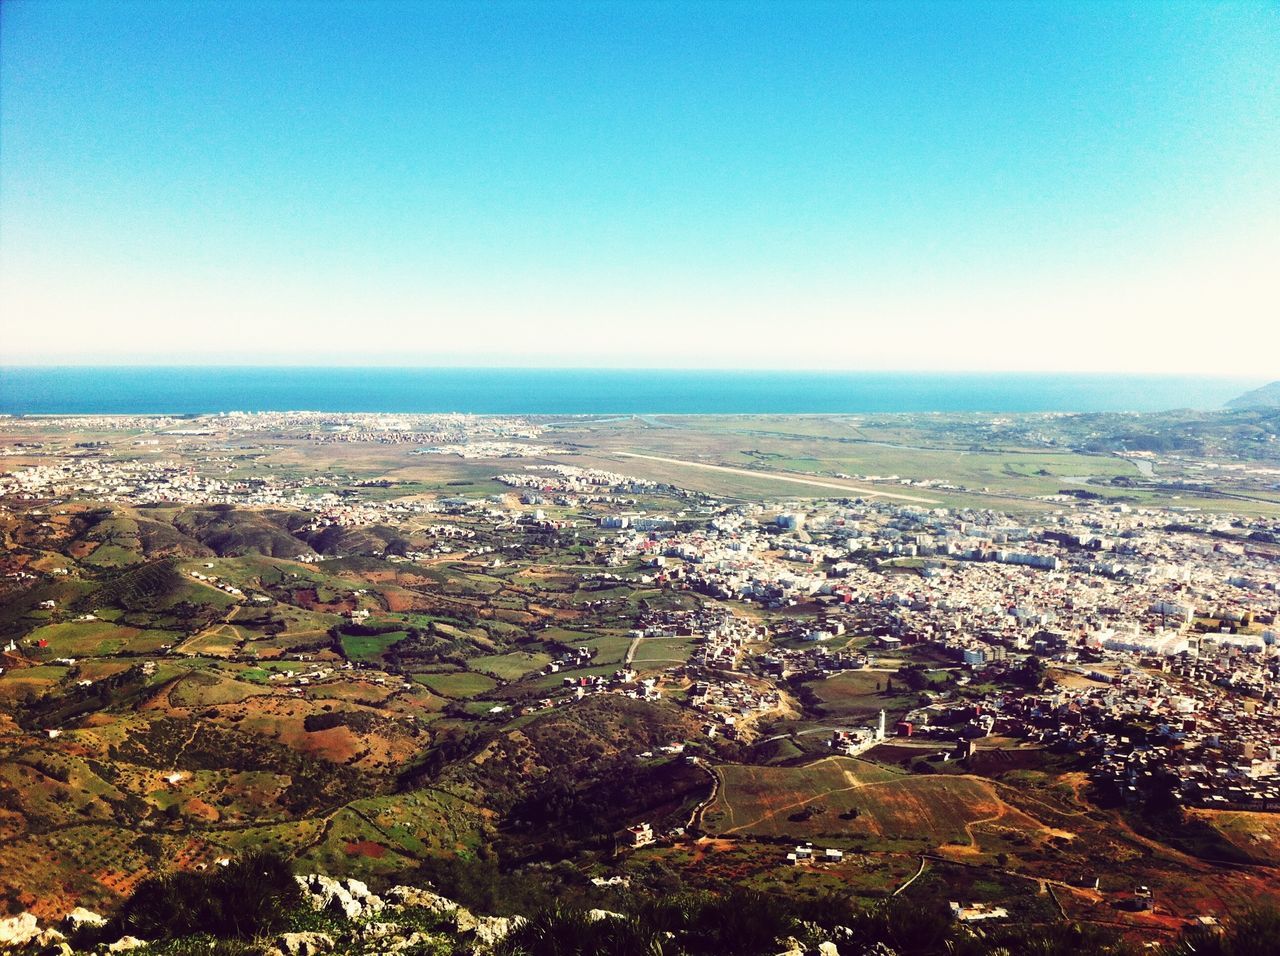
370 648
247 898
458 684
387 717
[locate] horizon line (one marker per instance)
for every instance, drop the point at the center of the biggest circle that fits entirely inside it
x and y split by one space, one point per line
689 369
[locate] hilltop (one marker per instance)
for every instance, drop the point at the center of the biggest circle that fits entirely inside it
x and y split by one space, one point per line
1268 396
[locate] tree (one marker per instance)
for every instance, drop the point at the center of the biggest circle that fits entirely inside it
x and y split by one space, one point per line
915 677
249 897
1031 673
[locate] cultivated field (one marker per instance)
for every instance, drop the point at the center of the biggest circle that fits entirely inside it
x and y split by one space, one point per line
839 798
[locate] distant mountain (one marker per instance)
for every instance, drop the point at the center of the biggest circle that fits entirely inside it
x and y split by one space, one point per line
1266 397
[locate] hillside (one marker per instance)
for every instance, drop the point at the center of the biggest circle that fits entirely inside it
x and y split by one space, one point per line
1268 396
254 906
229 531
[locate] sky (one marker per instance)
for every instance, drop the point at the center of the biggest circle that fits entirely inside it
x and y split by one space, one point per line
965 186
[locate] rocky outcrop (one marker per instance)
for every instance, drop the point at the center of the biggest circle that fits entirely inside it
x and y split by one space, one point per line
304 944
81 919
494 929
18 930
352 900
359 923
348 898
414 896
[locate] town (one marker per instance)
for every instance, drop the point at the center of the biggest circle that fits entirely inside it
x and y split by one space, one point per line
413 597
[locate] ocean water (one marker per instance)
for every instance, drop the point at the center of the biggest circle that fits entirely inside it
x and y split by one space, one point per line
193 390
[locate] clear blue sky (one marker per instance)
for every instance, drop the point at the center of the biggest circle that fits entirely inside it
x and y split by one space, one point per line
858 185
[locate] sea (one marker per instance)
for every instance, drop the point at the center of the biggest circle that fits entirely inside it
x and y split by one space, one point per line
136 390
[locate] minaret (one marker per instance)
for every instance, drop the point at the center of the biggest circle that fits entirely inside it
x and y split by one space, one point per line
880 728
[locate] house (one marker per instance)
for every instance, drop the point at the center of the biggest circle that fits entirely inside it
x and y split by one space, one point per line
637 836
1143 900
974 912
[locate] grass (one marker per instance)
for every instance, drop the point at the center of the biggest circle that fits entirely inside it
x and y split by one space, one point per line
458 684
665 650
370 648
860 695
609 649
99 639
841 799
1256 835
511 666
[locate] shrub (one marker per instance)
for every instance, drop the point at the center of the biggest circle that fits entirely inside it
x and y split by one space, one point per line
249 897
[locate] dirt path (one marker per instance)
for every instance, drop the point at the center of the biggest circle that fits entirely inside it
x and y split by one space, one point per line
631 651
695 818
779 476
913 878
805 802
213 630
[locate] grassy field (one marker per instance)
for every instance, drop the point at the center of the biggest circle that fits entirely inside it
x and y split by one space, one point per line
370 648
511 666
99 639
861 695
609 649
1004 475
665 650
1256 835
840 798
458 684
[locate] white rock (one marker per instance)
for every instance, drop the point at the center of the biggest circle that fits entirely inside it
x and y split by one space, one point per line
327 893
79 918
828 949
410 941
417 897
48 937
597 915
304 944
358 889
126 943
17 930
345 906
494 929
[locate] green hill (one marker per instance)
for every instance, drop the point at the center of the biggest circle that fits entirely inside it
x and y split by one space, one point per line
1268 396
232 532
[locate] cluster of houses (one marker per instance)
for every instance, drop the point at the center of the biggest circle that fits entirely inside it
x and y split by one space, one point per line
805 853
572 480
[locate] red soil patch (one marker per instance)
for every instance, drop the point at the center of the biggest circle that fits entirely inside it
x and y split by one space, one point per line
195 807
366 848
305 597
400 601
